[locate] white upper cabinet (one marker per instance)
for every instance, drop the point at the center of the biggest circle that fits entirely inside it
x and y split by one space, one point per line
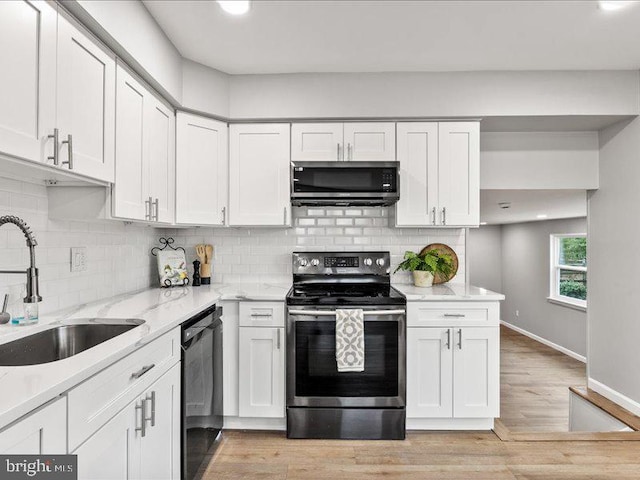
85 104
370 141
202 165
459 173
316 142
355 141
28 79
418 157
162 160
439 174
131 179
145 154
259 174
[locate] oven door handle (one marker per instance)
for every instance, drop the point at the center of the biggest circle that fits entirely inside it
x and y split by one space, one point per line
332 313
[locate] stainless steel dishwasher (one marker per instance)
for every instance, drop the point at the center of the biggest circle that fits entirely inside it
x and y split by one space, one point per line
202 415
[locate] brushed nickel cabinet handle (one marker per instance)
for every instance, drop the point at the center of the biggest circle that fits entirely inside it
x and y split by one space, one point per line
444 215
448 339
54 157
433 216
155 210
278 340
224 215
338 156
143 420
460 338
69 143
152 398
142 371
454 315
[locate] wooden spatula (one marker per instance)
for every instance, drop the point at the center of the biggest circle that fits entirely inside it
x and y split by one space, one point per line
201 253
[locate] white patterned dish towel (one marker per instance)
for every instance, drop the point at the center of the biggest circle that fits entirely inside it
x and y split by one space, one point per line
350 340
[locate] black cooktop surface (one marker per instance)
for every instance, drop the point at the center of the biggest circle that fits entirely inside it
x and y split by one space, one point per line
335 294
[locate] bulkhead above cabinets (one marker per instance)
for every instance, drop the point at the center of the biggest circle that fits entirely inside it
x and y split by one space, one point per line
350 141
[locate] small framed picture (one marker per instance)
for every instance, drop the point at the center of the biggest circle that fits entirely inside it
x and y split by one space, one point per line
172 268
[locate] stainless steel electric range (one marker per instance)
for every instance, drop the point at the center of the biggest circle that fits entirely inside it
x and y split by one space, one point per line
325 403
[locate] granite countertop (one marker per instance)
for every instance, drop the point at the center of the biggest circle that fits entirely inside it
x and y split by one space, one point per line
26 388
453 292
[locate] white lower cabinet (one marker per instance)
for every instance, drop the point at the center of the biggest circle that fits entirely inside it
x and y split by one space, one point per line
261 359
261 368
140 442
453 372
41 432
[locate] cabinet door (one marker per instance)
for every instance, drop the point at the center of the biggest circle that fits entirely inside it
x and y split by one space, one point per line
476 372
261 368
86 102
161 159
429 373
259 186
370 141
316 142
27 82
113 451
459 173
160 447
418 157
41 432
201 170
131 187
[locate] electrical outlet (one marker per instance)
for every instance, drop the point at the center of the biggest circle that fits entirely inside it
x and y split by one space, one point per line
78 259
517 313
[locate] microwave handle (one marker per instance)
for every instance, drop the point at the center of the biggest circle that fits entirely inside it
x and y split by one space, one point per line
329 313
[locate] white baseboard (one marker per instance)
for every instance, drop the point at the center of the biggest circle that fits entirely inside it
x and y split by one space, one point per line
614 396
546 342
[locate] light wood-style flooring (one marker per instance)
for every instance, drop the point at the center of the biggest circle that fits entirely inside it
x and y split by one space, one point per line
534 384
535 397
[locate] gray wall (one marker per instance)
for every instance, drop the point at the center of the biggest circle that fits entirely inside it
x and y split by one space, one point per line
484 257
525 280
614 262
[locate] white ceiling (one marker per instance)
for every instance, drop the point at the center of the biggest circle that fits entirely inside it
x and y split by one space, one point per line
374 36
527 204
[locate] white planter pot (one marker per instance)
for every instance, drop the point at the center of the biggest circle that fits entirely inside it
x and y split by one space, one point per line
422 278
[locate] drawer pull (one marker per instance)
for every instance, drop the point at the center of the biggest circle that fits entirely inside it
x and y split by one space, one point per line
454 315
254 315
142 371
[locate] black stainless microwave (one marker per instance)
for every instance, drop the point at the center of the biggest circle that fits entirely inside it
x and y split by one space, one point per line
345 183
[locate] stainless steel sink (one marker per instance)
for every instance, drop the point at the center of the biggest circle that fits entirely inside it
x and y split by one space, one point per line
63 341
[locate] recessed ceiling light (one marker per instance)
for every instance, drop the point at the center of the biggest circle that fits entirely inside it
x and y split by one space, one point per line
541 215
612 5
234 7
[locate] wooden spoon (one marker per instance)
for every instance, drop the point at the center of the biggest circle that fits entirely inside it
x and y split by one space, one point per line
201 253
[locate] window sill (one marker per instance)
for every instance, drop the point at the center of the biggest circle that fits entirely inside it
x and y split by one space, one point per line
566 303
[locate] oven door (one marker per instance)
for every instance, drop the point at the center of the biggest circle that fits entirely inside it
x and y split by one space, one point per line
313 379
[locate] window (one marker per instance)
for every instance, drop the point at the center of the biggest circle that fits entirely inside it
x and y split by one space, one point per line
569 269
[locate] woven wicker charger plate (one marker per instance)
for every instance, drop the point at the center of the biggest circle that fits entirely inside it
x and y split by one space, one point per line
442 248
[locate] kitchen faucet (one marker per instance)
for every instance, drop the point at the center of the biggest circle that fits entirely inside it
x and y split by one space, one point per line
33 295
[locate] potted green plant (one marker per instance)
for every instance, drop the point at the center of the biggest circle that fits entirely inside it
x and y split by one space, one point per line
425 266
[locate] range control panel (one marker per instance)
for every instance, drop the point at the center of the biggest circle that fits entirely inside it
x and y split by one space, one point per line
351 263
